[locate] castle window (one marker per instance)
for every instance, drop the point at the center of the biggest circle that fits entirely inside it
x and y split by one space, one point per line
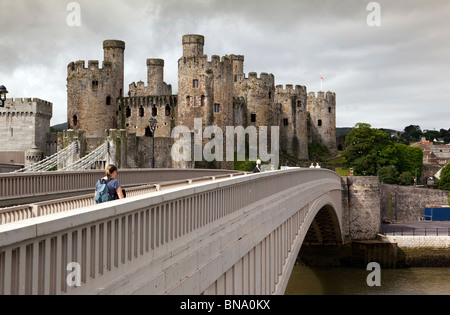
319 123
286 122
299 103
128 112
188 100
94 85
75 120
141 111
216 108
253 118
154 111
329 109
202 101
270 95
195 101
108 100
195 83
167 110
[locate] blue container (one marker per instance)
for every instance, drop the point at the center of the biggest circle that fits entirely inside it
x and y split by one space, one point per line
437 214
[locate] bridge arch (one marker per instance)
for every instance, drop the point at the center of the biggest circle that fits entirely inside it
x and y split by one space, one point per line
322 226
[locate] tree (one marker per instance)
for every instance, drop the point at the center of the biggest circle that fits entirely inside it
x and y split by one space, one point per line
388 174
409 159
368 149
444 181
405 179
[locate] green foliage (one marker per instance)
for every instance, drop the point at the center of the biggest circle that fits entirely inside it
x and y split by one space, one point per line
406 179
317 152
390 203
372 152
246 166
368 149
410 159
388 175
444 181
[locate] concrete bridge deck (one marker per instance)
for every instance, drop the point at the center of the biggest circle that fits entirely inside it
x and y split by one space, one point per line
237 235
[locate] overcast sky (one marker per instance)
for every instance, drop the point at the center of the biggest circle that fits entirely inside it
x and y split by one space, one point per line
389 76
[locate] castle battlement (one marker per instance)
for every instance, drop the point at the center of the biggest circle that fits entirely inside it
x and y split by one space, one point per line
136 101
329 96
205 63
24 107
289 89
264 78
79 67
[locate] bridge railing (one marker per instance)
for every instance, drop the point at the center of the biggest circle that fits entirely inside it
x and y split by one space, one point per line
110 240
22 185
23 212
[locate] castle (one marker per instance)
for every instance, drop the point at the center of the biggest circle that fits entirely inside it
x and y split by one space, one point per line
216 90
25 132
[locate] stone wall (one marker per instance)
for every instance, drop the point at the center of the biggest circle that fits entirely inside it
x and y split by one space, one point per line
407 203
322 113
361 207
293 120
25 123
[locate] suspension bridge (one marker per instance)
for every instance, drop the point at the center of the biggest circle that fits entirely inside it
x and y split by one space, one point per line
100 154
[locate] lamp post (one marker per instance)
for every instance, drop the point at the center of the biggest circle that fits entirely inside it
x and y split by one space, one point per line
3 92
152 121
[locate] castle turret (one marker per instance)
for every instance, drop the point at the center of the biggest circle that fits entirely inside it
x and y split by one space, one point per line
193 45
322 111
293 120
92 92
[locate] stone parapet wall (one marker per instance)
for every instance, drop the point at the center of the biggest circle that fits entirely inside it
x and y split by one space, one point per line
407 203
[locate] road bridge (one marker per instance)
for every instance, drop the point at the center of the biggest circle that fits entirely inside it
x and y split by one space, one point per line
226 235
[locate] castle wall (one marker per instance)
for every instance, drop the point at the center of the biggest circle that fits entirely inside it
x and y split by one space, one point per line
258 93
135 113
322 126
140 151
25 123
293 120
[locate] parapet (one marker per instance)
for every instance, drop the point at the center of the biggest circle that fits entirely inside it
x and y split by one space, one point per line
155 62
329 96
269 78
79 67
299 89
113 44
193 39
161 100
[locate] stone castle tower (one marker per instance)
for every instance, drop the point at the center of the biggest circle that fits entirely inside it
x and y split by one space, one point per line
92 92
216 90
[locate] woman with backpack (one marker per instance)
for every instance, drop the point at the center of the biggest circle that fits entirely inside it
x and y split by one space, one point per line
113 186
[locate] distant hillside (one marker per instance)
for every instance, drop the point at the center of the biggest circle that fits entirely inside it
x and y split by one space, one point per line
342 131
58 128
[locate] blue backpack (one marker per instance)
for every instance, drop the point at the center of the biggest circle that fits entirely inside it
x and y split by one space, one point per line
103 194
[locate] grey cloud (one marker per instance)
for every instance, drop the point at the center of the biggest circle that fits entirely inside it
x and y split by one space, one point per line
390 76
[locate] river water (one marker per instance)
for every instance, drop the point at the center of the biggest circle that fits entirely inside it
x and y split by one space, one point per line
352 281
